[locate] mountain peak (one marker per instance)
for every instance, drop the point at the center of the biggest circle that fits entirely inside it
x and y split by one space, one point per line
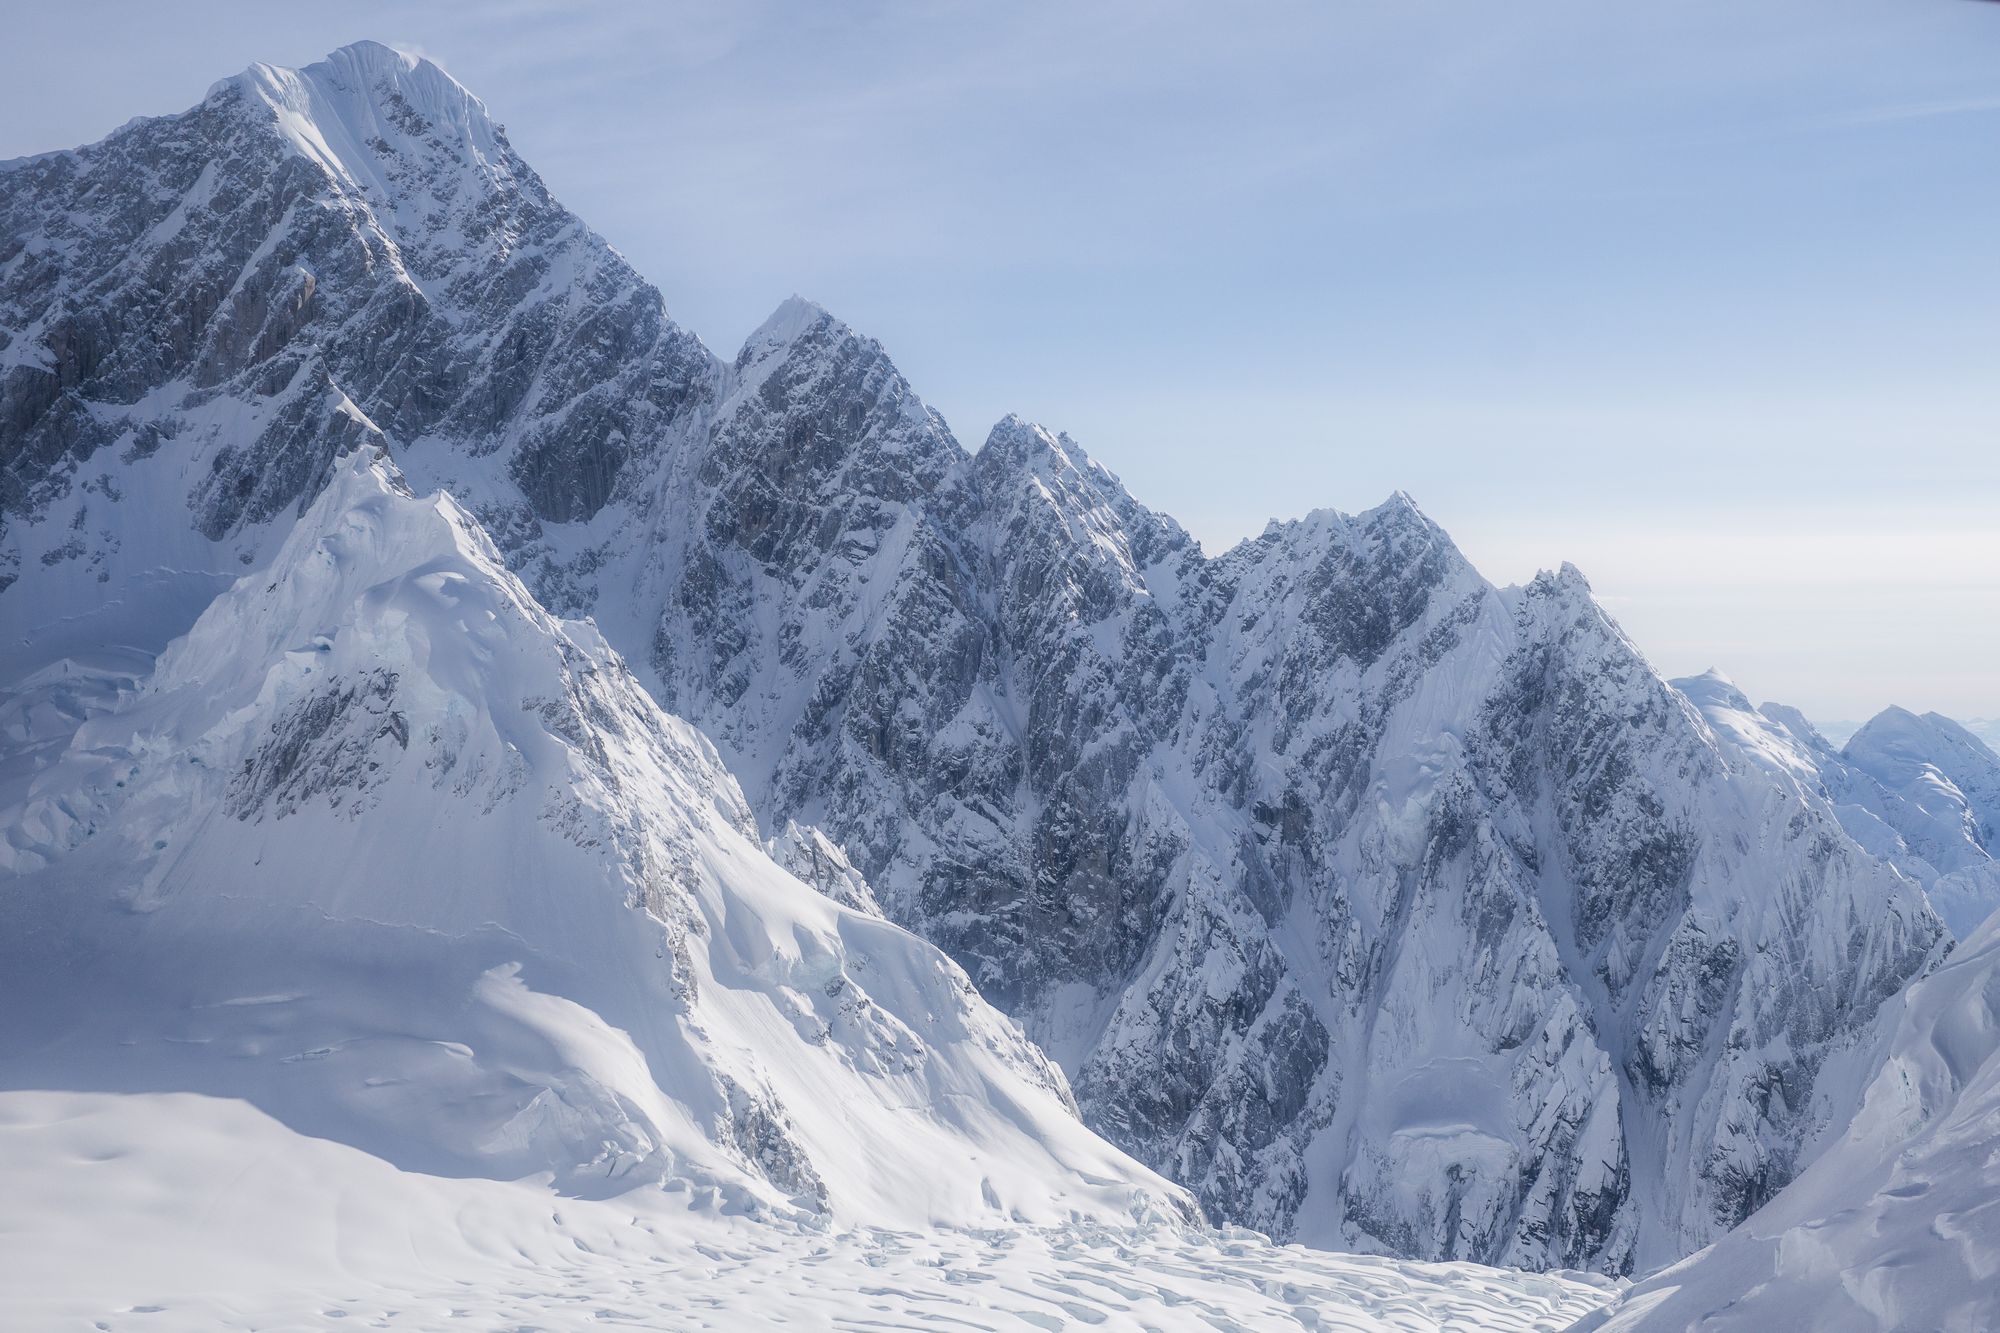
1801 727
1566 577
1015 440
1713 687
1399 500
1895 728
793 319
366 94
791 323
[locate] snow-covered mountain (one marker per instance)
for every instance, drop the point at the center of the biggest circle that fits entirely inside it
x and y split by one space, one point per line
1945 780
203 310
1896 1226
388 851
1922 793
1382 907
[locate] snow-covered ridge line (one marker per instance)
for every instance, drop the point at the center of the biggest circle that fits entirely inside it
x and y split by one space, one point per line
1266 848
338 111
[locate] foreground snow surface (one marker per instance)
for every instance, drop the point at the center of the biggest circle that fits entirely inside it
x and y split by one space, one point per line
179 1211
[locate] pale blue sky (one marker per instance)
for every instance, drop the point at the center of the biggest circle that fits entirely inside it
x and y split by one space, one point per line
1702 296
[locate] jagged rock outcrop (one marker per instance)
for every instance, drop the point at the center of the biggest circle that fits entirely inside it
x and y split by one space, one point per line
1381 906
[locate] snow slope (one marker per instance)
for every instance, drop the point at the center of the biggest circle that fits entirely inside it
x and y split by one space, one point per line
388 955
1946 780
386 850
1896 1226
171 1211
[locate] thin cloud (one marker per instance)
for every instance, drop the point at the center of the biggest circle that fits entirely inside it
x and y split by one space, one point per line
1888 115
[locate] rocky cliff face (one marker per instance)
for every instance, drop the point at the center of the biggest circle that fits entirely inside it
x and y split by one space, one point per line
1381 906
216 303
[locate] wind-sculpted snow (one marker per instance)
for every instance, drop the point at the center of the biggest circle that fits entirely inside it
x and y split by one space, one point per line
1382 907
387 850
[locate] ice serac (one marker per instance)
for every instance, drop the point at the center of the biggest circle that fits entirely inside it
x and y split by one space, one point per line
388 850
1383 907
1897 1225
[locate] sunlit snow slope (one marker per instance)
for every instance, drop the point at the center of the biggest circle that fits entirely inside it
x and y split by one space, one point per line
390 852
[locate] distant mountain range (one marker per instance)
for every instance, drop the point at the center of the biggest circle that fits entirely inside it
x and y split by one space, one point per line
1923 793
1987 729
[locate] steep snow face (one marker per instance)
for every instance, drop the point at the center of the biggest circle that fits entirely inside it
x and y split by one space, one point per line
1897 1225
1915 791
1383 907
391 852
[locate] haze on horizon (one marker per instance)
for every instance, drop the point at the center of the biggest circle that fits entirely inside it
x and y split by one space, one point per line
1701 298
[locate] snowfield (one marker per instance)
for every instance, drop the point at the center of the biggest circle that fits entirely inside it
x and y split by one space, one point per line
175 1211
